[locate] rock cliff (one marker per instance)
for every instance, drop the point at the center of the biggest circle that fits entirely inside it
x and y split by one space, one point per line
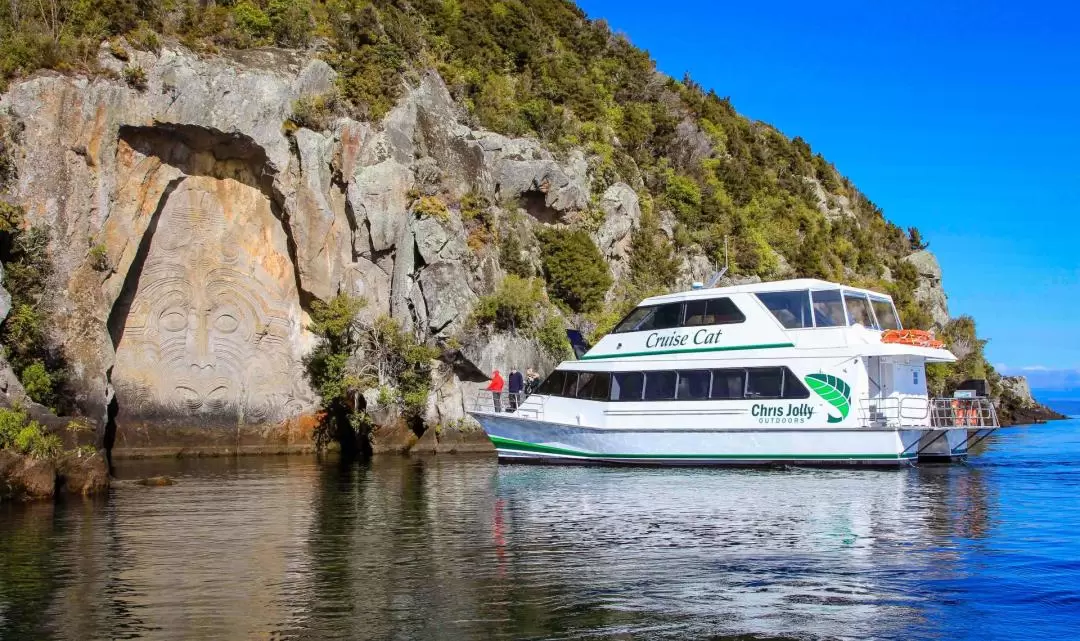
192 225
190 230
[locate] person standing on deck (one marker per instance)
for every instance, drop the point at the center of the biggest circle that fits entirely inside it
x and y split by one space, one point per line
532 381
496 388
517 384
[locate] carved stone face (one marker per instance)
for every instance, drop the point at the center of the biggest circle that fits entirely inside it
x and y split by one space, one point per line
209 327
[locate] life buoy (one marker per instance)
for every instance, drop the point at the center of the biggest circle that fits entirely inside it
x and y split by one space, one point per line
965 414
916 337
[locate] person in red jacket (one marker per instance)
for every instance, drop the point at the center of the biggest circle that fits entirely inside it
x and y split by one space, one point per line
496 388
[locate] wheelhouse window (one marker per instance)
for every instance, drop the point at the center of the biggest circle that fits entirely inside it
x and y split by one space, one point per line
828 308
859 311
648 319
694 385
627 386
633 319
885 313
659 386
553 384
712 311
792 309
569 387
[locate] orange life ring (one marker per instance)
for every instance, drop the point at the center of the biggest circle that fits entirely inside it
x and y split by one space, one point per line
916 337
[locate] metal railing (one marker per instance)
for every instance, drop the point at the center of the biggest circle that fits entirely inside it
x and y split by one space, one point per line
934 413
972 413
518 403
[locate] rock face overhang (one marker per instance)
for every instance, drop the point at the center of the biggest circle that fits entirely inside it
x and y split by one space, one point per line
219 229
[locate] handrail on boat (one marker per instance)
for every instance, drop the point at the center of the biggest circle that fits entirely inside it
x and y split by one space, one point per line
935 413
518 403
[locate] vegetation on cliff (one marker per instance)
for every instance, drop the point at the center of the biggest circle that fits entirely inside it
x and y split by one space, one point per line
542 69
353 357
39 366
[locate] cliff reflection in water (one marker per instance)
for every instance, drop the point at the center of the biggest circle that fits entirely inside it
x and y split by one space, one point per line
462 548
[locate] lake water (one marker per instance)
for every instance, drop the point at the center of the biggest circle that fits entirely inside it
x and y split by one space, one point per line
460 548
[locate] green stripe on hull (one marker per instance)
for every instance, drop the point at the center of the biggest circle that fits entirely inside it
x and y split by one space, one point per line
663 352
533 448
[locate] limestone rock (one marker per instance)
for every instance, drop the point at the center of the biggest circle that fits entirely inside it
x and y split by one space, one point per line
84 475
454 438
5 297
1017 389
690 146
622 214
25 478
377 195
929 290
447 297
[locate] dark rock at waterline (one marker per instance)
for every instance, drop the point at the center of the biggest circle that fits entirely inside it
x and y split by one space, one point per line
25 479
83 475
453 439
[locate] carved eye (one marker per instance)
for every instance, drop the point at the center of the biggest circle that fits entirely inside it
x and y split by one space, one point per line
226 323
174 321
189 397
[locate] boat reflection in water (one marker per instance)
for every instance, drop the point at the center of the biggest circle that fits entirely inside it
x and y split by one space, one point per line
453 548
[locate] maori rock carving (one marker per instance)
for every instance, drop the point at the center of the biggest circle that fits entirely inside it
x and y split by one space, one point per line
214 327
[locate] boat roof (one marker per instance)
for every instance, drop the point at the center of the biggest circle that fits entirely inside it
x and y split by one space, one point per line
793 284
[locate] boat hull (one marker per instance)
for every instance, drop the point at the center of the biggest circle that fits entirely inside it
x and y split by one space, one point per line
528 440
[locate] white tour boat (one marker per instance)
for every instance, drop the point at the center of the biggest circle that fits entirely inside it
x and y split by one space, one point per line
798 371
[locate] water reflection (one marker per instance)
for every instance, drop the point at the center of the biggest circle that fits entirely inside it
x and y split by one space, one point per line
457 548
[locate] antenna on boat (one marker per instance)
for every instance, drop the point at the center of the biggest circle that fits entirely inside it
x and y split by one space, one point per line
720 274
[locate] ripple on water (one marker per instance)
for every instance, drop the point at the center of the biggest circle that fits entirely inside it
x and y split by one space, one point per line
456 548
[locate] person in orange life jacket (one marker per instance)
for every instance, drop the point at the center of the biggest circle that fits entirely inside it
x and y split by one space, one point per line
496 388
517 384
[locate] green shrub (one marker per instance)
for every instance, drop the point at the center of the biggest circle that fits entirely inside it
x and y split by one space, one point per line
12 420
38 383
431 207
514 305
576 273
511 258
653 265
551 334
251 20
316 112
135 76
99 257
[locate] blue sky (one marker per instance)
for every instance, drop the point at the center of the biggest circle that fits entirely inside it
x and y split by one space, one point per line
961 118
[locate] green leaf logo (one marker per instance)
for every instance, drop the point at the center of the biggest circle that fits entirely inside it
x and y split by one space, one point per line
834 391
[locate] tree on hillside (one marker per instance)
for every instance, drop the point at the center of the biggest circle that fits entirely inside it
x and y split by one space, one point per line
576 273
916 240
653 264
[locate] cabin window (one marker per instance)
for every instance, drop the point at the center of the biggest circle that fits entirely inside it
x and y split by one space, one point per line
632 320
627 386
693 385
828 308
712 311
728 384
659 386
765 382
885 313
593 386
858 309
663 317
569 387
793 387
553 384
792 309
